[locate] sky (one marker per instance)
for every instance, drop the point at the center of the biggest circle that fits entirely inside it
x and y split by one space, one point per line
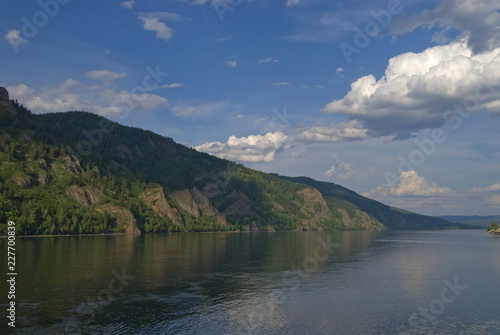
398 100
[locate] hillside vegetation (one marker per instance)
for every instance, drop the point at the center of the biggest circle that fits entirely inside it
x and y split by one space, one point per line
76 172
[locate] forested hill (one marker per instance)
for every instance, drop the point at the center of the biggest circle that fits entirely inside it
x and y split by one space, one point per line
76 172
392 218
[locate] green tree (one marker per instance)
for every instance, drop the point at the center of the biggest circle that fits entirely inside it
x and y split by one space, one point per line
494 226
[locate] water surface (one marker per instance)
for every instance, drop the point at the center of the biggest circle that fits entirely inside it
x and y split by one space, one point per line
404 282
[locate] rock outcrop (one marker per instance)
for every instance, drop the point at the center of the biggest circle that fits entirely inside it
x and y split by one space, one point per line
86 196
43 164
196 203
125 221
155 199
44 178
5 102
23 180
73 164
315 208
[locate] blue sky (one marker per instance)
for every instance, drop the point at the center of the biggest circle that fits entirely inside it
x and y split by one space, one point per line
397 100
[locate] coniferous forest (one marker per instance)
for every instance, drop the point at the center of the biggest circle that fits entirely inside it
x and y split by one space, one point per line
79 173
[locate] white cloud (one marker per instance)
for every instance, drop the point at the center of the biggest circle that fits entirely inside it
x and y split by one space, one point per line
128 4
283 83
478 20
342 169
105 76
173 85
14 38
268 60
292 3
72 96
254 148
154 24
232 63
337 132
493 188
340 72
414 185
133 101
419 88
410 185
167 16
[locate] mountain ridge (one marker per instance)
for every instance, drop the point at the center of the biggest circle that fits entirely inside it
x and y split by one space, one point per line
77 172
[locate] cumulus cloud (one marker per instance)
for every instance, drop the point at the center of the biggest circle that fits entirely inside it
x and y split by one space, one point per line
478 20
413 191
14 38
162 30
254 148
73 96
414 185
493 188
419 88
262 148
128 4
342 169
337 132
152 22
105 76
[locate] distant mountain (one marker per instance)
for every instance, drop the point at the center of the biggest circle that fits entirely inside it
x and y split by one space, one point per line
76 172
473 220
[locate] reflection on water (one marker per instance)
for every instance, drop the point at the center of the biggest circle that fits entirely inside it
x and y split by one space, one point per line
267 283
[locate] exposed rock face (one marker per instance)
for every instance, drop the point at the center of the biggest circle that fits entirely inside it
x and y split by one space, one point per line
5 102
44 178
43 164
86 196
73 164
360 220
125 220
155 199
23 180
315 207
196 203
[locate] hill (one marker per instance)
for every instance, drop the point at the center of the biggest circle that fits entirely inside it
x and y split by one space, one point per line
77 172
473 220
390 217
